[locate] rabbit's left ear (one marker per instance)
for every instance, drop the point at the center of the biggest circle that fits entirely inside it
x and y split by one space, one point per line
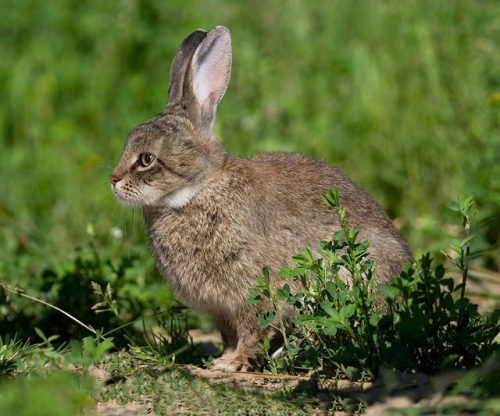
180 63
210 71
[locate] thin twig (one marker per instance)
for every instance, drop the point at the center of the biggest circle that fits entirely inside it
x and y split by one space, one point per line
133 322
19 292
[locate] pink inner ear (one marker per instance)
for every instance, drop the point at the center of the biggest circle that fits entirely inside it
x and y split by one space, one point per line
211 69
209 79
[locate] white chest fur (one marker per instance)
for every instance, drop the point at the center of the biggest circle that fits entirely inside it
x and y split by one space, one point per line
181 197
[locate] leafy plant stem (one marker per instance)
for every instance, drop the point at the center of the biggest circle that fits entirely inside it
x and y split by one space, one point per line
277 309
356 274
466 259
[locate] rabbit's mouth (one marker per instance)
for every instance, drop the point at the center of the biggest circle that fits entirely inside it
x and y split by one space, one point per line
149 196
127 196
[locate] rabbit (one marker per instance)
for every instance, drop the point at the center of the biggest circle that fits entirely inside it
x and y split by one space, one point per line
214 220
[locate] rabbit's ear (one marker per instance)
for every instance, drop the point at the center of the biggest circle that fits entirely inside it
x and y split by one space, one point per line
210 71
180 64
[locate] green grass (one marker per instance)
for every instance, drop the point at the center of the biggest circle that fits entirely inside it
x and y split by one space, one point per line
400 95
65 384
173 390
58 394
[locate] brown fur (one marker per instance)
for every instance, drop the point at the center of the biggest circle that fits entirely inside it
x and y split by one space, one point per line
215 220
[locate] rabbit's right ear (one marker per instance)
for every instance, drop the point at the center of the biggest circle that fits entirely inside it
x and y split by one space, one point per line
210 69
180 63
200 74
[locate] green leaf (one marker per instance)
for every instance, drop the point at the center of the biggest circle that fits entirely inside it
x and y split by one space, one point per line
308 255
265 272
439 272
334 195
388 291
300 259
351 372
330 329
447 302
466 205
325 245
327 201
461 303
254 292
266 344
264 319
331 288
448 361
341 214
456 249
327 307
449 283
349 310
292 350
41 334
362 246
327 326
353 234
284 293
338 236
252 301
467 240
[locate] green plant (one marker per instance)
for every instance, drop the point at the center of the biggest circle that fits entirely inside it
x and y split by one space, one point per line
60 393
90 350
334 323
419 322
164 336
434 326
23 357
428 327
462 249
92 291
168 341
11 351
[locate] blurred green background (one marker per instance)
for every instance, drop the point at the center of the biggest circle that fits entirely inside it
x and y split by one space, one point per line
404 96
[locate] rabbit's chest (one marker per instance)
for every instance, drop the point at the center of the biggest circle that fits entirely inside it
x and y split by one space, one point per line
200 256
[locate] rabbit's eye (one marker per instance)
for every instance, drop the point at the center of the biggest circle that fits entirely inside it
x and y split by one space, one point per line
145 159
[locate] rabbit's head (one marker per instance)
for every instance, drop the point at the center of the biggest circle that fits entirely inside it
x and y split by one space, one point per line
167 159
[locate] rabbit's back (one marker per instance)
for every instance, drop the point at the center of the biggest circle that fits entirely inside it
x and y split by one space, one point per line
295 195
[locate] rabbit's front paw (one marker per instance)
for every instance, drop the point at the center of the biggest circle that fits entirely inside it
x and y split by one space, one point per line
233 364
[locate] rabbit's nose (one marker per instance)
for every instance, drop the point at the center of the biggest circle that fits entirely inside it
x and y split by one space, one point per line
114 179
